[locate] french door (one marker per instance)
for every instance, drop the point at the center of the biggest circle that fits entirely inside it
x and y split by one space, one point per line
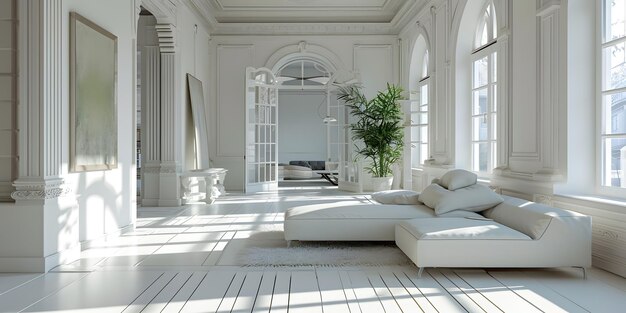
261 127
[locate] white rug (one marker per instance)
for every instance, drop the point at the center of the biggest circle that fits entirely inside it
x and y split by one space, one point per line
325 254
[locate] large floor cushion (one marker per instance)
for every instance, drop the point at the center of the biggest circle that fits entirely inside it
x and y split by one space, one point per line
350 221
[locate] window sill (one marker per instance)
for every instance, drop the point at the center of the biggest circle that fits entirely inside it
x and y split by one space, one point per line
616 203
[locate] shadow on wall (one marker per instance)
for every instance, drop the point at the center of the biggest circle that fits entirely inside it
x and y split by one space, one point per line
106 204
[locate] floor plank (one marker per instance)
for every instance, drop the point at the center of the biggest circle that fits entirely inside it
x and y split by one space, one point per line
304 294
263 301
150 293
248 293
365 294
385 296
332 292
498 294
183 295
404 300
98 292
414 292
348 291
209 294
456 292
280 299
167 294
228 301
39 288
436 294
537 293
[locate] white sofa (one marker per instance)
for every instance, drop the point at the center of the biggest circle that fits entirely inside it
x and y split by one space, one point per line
515 233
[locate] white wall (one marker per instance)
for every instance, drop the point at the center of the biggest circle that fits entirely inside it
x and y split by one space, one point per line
301 132
374 57
8 85
106 199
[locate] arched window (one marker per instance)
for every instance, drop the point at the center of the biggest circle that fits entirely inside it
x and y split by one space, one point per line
420 101
483 112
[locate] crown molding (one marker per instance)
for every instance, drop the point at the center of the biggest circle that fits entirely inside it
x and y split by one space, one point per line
163 10
304 29
204 10
405 15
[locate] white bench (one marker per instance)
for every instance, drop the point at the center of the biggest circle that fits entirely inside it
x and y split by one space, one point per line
207 184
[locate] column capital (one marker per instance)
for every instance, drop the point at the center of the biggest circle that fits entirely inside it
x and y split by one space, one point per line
167 38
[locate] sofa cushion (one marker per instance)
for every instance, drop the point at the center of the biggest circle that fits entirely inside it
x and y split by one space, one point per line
397 197
459 229
350 210
455 179
473 198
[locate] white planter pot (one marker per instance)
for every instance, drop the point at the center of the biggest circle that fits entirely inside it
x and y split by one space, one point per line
379 183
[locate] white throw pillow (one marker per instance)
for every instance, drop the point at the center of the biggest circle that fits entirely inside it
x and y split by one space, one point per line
521 218
397 197
455 179
474 198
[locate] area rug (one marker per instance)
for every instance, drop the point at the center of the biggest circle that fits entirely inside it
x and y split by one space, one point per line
324 254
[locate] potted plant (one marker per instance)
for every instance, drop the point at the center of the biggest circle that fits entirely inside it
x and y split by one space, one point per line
378 130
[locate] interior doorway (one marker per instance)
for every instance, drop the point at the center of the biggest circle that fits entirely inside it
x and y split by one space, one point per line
308 124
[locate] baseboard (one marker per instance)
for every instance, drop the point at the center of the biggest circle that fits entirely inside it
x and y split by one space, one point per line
149 202
170 203
38 264
88 244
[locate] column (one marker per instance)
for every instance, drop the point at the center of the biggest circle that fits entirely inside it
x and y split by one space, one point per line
171 145
45 215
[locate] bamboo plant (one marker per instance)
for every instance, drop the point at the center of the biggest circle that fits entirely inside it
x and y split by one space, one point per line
378 131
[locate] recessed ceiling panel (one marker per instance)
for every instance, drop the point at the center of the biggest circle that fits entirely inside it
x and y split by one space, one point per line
311 11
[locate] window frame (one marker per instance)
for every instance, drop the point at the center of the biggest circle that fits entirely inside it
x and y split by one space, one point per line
488 50
602 119
423 83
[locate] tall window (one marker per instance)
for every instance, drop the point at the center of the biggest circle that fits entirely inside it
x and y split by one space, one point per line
484 93
419 118
613 93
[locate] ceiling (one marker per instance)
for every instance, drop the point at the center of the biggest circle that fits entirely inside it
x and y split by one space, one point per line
306 11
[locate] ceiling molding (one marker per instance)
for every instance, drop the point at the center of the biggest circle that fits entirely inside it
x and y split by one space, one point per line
304 29
203 10
403 13
163 10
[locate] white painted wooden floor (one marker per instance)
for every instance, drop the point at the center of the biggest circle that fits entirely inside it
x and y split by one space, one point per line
183 260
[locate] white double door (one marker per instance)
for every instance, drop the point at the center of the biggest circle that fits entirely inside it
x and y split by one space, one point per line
261 161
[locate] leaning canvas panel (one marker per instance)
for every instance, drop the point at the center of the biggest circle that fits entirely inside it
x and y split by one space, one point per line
93 96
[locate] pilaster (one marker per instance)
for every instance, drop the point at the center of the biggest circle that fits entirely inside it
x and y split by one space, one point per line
151 125
45 212
171 118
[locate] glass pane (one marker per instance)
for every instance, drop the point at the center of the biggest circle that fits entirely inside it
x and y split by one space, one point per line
424 118
480 72
416 118
494 66
494 126
480 155
614 165
480 102
415 105
614 66
415 155
479 128
261 153
415 133
423 152
424 95
494 152
494 90
424 134
614 113
614 25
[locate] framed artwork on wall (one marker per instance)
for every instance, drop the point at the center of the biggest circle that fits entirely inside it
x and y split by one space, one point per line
93 96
